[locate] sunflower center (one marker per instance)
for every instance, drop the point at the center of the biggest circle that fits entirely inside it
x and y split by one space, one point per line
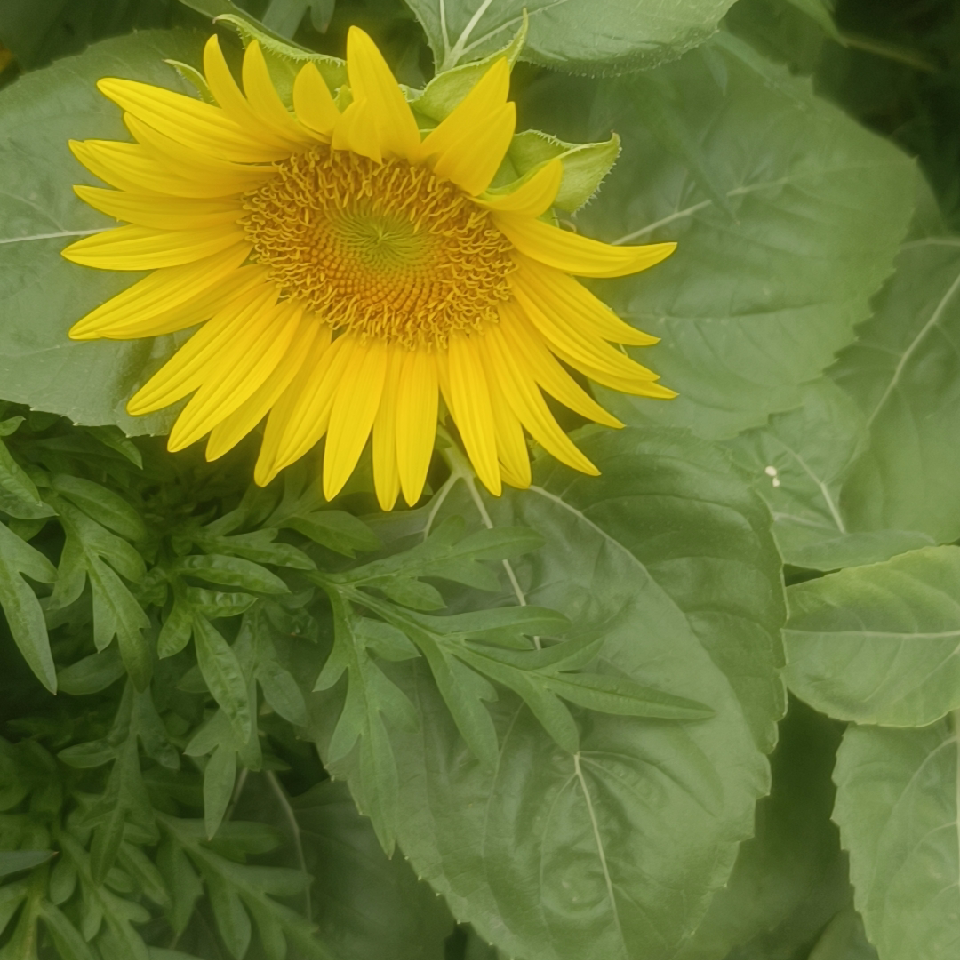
384 250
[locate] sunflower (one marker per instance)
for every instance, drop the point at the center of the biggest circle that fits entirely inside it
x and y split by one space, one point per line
346 270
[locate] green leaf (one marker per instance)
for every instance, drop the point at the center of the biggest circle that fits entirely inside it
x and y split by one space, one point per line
13 861
878 644
223 675
576 35
614 851
799 462
369 907
20 605
18 494
904 374
899 819
219 777
41 294
844 939
66 937
790 878
819 208
281 692
101 504
335 530
91 674
231 571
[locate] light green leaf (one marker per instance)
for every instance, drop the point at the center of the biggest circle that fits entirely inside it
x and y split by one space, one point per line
897 808
41 294
753 305
880 643
369 907
614 851
904 374
576 35
101 504
799 462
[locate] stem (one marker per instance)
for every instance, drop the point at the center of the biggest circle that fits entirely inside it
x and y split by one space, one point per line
291 819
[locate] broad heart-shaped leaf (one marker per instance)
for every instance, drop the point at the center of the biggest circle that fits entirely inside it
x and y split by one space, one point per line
904 374
897 808
791 878
577 35
880 643
613 852
368 907
799 462
41 294
758 297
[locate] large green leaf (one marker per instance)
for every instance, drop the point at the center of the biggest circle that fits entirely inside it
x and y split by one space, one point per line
368 907
880 643
791 878
571 34
799 462
611 852
41 294
899 819
904 374
787 214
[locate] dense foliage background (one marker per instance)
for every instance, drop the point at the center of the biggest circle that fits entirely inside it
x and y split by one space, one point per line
555 725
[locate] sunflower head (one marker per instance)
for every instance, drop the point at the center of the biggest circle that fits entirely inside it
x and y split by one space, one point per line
346 269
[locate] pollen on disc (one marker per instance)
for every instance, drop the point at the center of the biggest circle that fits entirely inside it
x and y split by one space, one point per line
384 250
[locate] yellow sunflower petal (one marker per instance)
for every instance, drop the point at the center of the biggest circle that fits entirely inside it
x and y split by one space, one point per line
559 293
386 477
265 101
511 443
191 314
157 293
300 417
525 342
357 132
243 367
371 82
473 112
234 427
416 413
234 104
575 254
509 372
469 402
303 414
197 125
353 413
532 198
143 210
190 164
191 364
637 387
128 166
577 346
142 248
313 101
472 161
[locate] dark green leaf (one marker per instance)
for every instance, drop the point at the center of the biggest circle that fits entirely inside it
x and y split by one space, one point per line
21 607
335 530
223 676
13 861
102 505
219 777
231 571
91 674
